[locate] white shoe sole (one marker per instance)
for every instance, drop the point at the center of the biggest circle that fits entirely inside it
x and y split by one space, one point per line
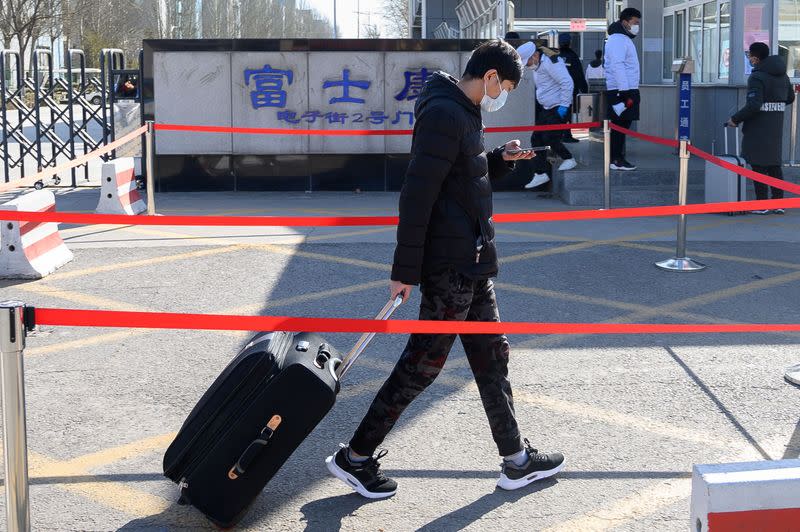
352 481
508 484
569 164
534 184
622 168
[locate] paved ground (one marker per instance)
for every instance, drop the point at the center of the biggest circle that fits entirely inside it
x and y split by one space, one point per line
631 413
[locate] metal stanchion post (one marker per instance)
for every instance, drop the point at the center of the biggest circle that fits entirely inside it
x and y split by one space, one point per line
12 343
150 168
680 262
793 137
606 165
792 374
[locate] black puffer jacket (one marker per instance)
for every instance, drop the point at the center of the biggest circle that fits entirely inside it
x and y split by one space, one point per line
575 69
446 201
768 92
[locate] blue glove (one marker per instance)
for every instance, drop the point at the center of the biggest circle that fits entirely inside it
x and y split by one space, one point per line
562 111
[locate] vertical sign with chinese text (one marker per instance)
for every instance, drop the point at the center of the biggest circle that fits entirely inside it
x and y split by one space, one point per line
685 106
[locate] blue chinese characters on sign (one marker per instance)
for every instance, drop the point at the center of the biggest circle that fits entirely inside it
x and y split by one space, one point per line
414 83
268 84
346 83
685 108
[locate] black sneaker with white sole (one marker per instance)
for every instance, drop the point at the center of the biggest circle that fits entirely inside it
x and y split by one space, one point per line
365 477
538 467
622 165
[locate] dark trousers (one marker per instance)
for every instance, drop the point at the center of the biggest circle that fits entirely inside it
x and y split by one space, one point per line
762 190
447 296
568 132
548 138
617 138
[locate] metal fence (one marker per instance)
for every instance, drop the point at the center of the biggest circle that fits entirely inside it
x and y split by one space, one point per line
48 116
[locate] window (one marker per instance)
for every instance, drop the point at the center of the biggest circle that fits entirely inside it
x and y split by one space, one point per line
669 37
700 29
725 40
789 35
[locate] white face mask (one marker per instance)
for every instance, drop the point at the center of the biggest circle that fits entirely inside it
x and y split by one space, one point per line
490 104
634 30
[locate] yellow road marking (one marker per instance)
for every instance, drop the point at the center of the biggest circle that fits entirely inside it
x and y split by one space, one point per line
61 346
112 455
58 276
733 258
350 233
78 297
111 494
274 248
640 504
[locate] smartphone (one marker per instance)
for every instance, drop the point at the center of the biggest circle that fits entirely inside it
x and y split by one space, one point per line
529 150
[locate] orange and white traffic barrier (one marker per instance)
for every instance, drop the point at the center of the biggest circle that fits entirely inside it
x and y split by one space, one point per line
118 193
744 496
31 250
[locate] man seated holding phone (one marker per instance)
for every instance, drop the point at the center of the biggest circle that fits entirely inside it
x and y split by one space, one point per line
554 95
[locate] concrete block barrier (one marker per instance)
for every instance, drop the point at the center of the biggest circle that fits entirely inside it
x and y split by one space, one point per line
118 192
747 496
31 250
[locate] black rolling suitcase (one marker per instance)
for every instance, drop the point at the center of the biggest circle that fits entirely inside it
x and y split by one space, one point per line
248 423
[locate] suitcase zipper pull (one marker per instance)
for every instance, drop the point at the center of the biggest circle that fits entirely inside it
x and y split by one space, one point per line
183 484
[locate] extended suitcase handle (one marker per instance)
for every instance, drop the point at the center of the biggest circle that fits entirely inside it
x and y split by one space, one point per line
255 447
362 343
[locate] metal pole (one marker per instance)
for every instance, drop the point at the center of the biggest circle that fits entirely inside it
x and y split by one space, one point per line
150 168
335 31
606 165
681 263
12 344
793 146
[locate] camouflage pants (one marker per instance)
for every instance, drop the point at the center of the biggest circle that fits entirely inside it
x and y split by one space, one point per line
448 296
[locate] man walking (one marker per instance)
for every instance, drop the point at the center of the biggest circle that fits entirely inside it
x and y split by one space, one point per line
575 69
445 243
769 91
622 81
554 89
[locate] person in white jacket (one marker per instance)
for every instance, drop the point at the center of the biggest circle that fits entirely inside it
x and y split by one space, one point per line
554 96
622 81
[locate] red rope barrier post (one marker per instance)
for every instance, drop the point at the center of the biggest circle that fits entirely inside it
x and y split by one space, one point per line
680 262
607 163
15 439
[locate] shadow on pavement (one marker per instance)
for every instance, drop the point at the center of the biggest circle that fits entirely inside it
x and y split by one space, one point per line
474 511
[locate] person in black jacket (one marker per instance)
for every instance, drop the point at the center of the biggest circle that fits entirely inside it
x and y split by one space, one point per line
769 91
445 243
575 69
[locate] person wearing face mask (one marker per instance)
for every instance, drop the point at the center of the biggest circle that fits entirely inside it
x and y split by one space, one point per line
622 81
554 95
769 91
445 244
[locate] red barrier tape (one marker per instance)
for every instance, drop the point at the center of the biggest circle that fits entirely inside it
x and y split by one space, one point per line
672 143
355 132
158 320
750 174
364 221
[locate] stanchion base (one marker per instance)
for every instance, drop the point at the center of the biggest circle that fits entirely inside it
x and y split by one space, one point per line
684 264
792 374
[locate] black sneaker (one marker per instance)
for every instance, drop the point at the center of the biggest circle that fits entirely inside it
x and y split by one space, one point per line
539 466
778 211
623 165
365 477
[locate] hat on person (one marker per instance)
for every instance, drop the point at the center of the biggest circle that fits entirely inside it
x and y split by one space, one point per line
564 39
526 51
